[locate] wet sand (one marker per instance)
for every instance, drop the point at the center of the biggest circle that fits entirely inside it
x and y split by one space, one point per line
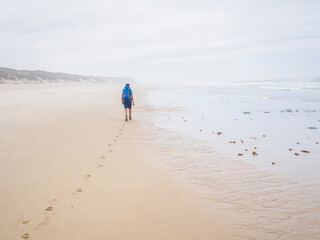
271 192
71 168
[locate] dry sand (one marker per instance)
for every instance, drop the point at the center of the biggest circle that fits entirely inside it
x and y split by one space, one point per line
71 168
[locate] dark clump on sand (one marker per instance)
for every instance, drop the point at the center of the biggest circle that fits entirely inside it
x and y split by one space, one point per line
246 112
254 154
289 110
312 128
266 112
305 151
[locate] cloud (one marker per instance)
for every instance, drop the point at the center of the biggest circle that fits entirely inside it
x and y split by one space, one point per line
116 37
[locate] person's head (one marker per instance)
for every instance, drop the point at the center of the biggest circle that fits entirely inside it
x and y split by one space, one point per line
127 85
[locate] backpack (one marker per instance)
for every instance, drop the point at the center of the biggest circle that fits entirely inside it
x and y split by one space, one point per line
127 92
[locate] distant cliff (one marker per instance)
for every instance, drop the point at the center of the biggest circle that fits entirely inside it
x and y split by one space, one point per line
12 76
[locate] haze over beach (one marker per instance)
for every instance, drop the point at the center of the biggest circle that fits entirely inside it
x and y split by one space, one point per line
224 141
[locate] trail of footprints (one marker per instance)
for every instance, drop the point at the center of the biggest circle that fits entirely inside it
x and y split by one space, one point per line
43 218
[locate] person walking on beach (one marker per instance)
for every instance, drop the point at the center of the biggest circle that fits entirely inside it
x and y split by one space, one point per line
127 100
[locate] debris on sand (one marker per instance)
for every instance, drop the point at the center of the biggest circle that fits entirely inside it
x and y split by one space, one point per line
185 120
200 130
263 135
246 150
254 154
241 141
296 154
311 128
266 112
290 149
305 151
219 133
289 110
240 154
317 142
246 112
273 163
297 142
255 147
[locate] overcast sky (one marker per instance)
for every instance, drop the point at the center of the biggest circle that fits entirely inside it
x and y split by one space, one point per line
163 41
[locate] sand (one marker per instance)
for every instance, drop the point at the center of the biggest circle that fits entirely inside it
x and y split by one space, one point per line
271 193
71 168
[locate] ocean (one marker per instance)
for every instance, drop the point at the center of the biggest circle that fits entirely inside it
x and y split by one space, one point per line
268 118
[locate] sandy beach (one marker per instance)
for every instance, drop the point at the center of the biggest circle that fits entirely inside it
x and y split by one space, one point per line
224 140
71 168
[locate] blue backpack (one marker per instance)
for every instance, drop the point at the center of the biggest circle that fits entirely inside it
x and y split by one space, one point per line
127 93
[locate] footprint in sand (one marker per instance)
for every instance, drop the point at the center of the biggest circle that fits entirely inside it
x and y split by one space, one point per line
25 236
110 151
99 166
79 190
109 145
49 209
87 176
103 157
43 223
25 222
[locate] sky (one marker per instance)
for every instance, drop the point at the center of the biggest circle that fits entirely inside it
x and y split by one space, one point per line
165 41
